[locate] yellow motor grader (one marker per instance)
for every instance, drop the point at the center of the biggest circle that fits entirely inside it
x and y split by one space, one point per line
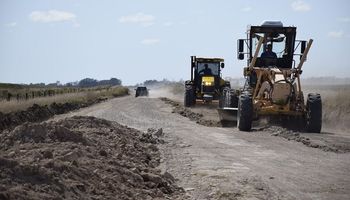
273 86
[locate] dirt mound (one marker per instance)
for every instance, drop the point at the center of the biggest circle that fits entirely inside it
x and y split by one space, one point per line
178 108
307 140
38 113
82 158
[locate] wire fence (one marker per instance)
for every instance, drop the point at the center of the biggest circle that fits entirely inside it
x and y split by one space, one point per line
26 94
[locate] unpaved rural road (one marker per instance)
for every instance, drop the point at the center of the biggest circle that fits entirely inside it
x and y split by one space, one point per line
224 163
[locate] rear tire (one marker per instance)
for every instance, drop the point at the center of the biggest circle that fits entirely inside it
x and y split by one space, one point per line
314 113
245 113
189 97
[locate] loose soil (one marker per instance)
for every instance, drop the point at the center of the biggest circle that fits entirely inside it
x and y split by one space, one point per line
199 118
82 158
324 141
37 113
321 140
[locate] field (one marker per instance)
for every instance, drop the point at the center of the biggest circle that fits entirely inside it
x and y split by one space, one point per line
57 95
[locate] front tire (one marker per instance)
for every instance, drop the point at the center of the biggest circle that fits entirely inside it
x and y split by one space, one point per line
189 99
245 113
314 113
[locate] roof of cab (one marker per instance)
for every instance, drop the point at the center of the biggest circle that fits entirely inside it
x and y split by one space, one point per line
210 60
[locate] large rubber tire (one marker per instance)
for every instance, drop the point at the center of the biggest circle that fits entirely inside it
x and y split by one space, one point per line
314 113
189 99
245 113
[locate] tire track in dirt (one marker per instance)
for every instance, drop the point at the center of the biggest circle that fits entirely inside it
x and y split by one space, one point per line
197 117
324 144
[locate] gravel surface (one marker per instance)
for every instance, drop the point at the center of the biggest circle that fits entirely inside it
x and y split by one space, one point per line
224 163
206 115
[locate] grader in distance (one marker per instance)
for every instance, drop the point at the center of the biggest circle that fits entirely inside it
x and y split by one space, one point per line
273 86
206 82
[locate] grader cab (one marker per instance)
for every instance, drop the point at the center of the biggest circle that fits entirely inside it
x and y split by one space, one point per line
273 86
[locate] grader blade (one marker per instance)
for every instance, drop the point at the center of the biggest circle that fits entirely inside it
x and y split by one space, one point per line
228 114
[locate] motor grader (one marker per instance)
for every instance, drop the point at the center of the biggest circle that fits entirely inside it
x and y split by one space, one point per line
206 83
273 86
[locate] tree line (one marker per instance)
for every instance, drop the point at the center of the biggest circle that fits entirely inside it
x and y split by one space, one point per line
86 82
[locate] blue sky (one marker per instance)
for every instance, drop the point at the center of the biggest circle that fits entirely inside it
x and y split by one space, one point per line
67 40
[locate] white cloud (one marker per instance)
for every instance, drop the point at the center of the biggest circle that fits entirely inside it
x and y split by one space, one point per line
344 19
247 9
52 16
139 18
336 34
12 24
150 41
300 6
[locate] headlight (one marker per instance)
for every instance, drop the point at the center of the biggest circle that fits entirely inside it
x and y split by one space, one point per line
207 83
208 80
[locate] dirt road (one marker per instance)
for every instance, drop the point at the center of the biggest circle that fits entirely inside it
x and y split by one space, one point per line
223 163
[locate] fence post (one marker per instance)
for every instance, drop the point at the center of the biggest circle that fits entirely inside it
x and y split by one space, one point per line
9 95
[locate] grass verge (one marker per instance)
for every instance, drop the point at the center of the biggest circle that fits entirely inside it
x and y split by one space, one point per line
77 98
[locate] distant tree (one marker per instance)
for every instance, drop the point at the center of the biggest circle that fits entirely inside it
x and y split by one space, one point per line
90 82
150 82
37 84
87 82
103 82
68 84
111 82
115 81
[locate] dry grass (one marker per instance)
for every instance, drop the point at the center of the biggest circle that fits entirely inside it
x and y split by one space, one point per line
80 97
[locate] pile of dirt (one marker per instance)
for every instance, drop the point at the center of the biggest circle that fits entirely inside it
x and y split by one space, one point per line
38 113
197 117
82 158
299 137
